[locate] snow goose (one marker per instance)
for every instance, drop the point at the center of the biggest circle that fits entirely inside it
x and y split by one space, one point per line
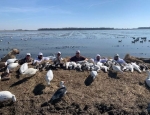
49 76
94 68
30 72
59 93
99 64
67 64
78 67
23 68
11 61
128 67
73 64
93 74
116 68
11 66
136 67
70 65
105 68
6 95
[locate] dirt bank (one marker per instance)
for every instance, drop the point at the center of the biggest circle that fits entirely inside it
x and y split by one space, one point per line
109 93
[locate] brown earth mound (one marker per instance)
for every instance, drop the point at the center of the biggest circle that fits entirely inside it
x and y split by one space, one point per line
110 93
128 58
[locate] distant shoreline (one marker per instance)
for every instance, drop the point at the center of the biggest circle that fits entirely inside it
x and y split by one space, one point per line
72 28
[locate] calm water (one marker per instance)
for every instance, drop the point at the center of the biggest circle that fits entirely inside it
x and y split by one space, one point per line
89 42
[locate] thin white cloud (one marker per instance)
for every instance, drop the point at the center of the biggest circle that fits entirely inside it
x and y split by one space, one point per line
51 9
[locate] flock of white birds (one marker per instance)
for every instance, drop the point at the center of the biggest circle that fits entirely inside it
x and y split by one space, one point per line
80 65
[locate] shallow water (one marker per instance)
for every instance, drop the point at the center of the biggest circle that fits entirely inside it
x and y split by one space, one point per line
89 42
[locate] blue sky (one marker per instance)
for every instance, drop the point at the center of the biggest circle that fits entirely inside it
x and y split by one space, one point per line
34 14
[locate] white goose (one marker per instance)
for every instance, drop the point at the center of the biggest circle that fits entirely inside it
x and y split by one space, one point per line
93 74
11 66
130 67
148 79
105 68
30 72
70 65
6 95
94 68
116 68
102 66
99 64
73 64
23 68
136 67
67 64
11 61
49 76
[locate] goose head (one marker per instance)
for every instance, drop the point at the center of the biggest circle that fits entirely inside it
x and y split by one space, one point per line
62 84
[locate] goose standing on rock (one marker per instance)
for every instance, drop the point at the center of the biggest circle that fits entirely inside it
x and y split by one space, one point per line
6 95
49 76
59 93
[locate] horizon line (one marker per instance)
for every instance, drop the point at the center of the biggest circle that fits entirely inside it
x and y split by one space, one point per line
68 28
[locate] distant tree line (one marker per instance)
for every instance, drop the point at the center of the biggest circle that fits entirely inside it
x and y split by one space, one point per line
143 27
102 28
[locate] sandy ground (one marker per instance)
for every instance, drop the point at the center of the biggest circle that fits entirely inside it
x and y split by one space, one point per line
108 94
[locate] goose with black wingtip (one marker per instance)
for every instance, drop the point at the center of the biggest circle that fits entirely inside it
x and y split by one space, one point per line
59 93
